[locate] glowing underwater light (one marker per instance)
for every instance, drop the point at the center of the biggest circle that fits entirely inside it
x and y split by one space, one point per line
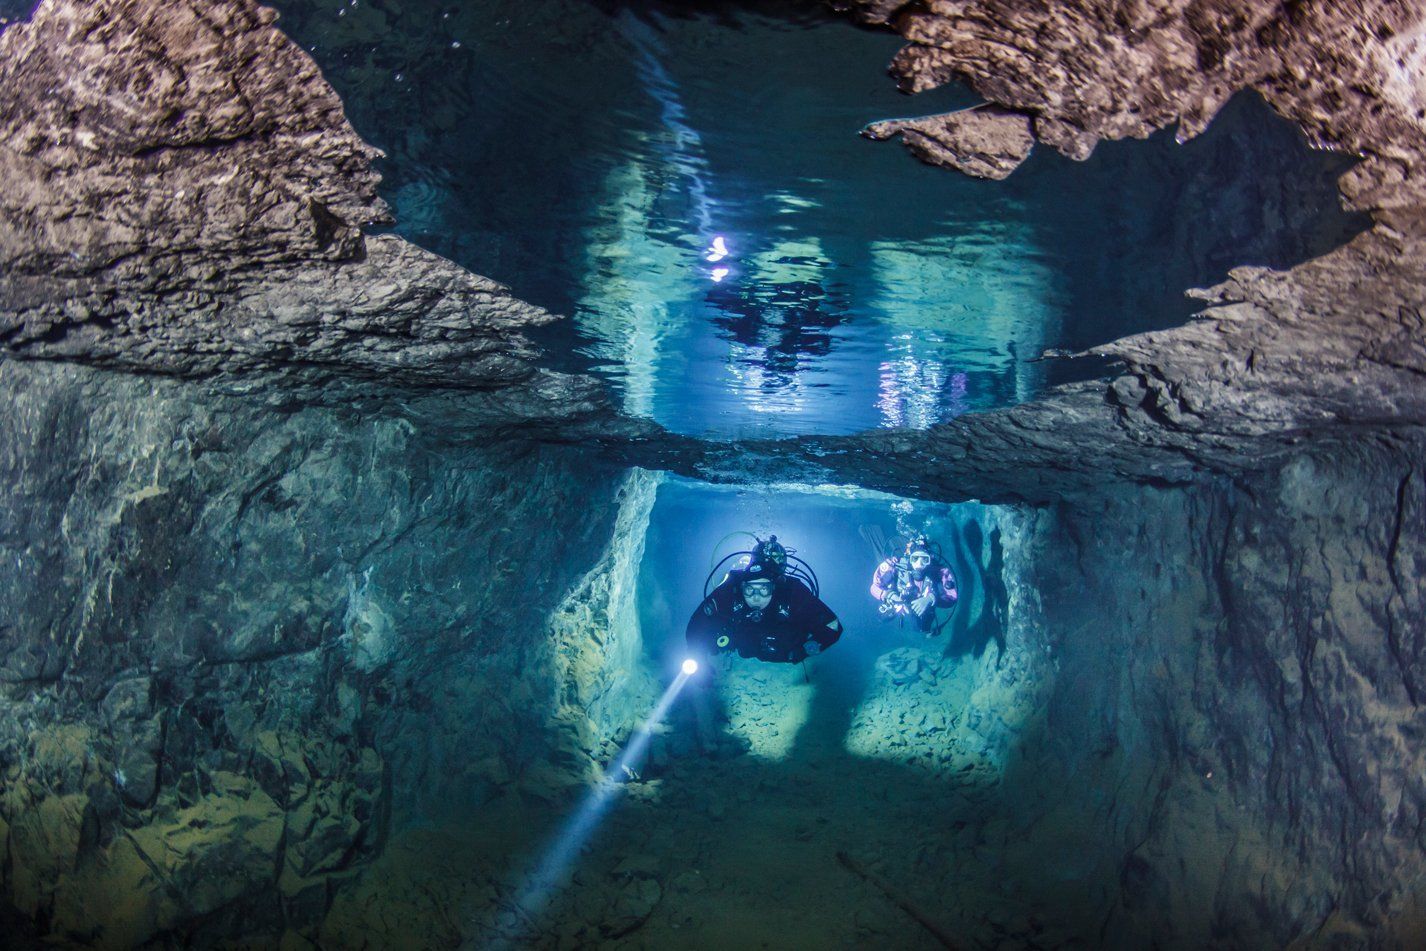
553 871
718 251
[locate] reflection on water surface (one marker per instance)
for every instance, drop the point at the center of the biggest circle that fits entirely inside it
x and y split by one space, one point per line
688 184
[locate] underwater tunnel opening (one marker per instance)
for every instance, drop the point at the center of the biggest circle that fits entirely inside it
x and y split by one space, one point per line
846 700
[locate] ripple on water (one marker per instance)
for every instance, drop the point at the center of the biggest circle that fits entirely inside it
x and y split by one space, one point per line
589 156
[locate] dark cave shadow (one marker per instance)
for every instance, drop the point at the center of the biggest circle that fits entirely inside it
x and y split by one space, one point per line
980 614
1250 190
839 685
905 823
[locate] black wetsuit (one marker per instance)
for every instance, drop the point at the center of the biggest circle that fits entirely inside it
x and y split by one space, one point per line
778 633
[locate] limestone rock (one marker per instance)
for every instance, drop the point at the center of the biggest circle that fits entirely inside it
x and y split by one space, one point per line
44 845
280 767
172 518
184 195
111 901
631 908
218 852
130 699
324 831
986 143
137 734
903 665
1276 654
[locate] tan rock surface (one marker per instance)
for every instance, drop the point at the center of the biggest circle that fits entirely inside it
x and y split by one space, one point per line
1323 352
986 143
184 195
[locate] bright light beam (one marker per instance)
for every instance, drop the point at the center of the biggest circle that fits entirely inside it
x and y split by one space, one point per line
555 868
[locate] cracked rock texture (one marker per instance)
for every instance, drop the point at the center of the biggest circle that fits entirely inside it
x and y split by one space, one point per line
1095 69
1229 716
184 195
229 643
986 143
1325 350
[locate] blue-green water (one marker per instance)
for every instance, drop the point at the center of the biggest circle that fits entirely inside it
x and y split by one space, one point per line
841 535
590 154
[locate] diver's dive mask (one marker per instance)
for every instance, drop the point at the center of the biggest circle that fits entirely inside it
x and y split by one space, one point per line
757 594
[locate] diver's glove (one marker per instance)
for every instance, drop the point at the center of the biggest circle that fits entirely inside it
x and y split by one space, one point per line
811 648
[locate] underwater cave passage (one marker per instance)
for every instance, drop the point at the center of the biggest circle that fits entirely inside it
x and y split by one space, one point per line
840 702
880 748
690 187
331 618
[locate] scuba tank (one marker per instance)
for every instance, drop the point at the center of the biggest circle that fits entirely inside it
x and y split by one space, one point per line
793 567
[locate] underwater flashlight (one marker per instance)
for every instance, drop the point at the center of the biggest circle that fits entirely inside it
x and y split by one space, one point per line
690 666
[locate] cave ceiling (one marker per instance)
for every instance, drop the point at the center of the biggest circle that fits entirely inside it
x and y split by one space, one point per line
184 196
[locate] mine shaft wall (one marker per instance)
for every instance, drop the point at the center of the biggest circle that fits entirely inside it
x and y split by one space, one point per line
1225 748
262 640
251 640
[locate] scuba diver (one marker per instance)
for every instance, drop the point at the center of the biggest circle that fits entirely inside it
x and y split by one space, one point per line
764 610
915 585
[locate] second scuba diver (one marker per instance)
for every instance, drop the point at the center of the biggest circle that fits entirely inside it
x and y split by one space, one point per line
915 585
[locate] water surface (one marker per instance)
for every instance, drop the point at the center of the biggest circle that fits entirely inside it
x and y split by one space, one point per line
600 158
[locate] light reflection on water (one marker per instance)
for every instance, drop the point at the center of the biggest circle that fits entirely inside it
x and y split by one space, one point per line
589 154
772 337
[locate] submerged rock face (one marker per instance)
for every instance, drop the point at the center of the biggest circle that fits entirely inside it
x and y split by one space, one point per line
224 632
184 195
1321 351
1240 669
596 638
1225 753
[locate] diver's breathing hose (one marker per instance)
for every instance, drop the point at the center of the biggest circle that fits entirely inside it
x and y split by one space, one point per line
713 565
796 568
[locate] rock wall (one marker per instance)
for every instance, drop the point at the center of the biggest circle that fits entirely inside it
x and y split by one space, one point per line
1224 750
184 195
598 643
224 630
542 708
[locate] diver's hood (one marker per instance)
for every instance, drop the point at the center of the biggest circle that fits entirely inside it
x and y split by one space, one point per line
757 571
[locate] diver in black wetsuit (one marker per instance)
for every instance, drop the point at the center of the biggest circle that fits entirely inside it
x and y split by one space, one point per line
761 612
